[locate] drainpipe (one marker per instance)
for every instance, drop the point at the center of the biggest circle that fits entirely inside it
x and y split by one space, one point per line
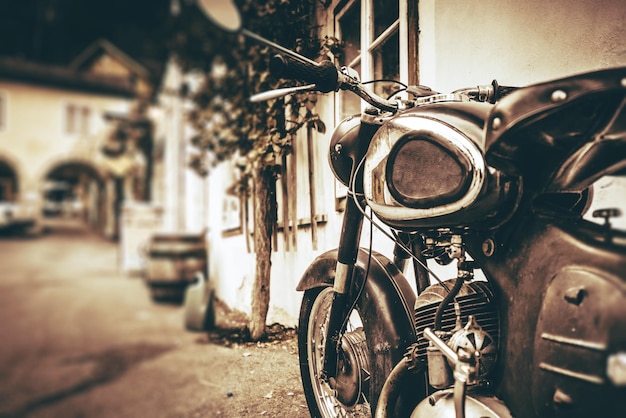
182 159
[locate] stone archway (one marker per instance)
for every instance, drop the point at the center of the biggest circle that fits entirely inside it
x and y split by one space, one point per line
11 177
9 185
74 189
18 207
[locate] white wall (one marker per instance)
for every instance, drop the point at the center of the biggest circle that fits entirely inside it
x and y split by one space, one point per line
178 189
232 268
468 42
36 133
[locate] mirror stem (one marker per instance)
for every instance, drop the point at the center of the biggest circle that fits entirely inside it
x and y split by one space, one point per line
294 55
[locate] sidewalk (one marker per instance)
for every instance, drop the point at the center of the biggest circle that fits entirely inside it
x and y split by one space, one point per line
82 340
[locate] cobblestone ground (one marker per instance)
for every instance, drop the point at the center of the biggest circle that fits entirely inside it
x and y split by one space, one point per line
80 339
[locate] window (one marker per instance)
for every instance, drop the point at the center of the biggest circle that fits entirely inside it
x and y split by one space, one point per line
348 29
85 118
77 119
70 119
384 47
380 40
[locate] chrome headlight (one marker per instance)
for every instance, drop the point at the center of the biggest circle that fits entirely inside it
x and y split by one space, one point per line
419 167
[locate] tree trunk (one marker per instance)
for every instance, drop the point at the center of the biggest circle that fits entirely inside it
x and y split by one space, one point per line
264 221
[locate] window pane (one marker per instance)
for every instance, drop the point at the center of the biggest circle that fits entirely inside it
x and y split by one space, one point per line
385 13
350 32
70 121
386 65
85 120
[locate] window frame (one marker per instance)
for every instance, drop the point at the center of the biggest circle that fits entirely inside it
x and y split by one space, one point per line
77 119
408 65
404 25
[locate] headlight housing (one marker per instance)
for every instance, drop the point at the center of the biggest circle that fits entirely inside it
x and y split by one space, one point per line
420 167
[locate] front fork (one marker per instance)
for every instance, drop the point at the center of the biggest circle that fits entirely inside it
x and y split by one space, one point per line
348 246
346 259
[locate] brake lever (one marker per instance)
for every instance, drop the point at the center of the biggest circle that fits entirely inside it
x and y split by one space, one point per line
349 80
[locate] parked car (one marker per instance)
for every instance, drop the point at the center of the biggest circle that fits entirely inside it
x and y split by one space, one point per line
14 216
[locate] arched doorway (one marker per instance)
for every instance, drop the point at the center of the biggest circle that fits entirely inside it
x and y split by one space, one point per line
16 213
74 194
8 182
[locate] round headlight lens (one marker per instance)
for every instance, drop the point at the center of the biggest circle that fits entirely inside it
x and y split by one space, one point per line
421 173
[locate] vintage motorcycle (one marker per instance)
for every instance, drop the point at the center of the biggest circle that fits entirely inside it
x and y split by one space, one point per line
495 179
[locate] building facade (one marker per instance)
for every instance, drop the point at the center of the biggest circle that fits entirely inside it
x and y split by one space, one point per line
442 44
55 123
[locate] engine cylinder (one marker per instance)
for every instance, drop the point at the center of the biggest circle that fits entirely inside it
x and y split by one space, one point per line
474 298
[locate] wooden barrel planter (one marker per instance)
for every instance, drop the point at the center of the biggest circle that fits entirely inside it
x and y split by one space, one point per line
173 262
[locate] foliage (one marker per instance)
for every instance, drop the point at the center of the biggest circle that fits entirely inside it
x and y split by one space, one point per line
230 125
236 67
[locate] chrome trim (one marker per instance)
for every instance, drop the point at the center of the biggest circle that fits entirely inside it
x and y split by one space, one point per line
444 97
576 375
392 132
342 274
574 342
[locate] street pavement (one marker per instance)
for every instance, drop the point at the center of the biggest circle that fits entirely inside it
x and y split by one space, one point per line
81 339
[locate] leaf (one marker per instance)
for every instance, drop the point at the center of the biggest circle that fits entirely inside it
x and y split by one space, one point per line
226 122
320 126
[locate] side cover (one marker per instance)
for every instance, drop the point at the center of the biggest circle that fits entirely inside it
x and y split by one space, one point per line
581 331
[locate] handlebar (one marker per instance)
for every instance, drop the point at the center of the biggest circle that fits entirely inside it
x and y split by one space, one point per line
489 93
501 91
326 78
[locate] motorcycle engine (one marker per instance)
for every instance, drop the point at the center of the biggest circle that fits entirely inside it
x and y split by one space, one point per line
470 321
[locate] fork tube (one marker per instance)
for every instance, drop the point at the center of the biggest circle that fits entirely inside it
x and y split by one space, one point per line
346 259
422 278
400 257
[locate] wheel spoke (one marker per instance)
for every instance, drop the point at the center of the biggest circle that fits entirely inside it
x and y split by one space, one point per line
327 401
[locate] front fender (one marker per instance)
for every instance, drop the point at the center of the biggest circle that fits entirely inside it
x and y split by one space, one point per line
387 296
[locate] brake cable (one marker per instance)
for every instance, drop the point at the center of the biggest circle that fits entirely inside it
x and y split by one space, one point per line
352 192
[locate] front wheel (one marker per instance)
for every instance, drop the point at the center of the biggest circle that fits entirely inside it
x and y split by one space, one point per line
376 338
351 395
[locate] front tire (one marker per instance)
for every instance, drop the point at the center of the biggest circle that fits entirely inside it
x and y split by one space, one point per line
352 399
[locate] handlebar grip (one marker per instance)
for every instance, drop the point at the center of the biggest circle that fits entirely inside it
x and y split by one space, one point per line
324 75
